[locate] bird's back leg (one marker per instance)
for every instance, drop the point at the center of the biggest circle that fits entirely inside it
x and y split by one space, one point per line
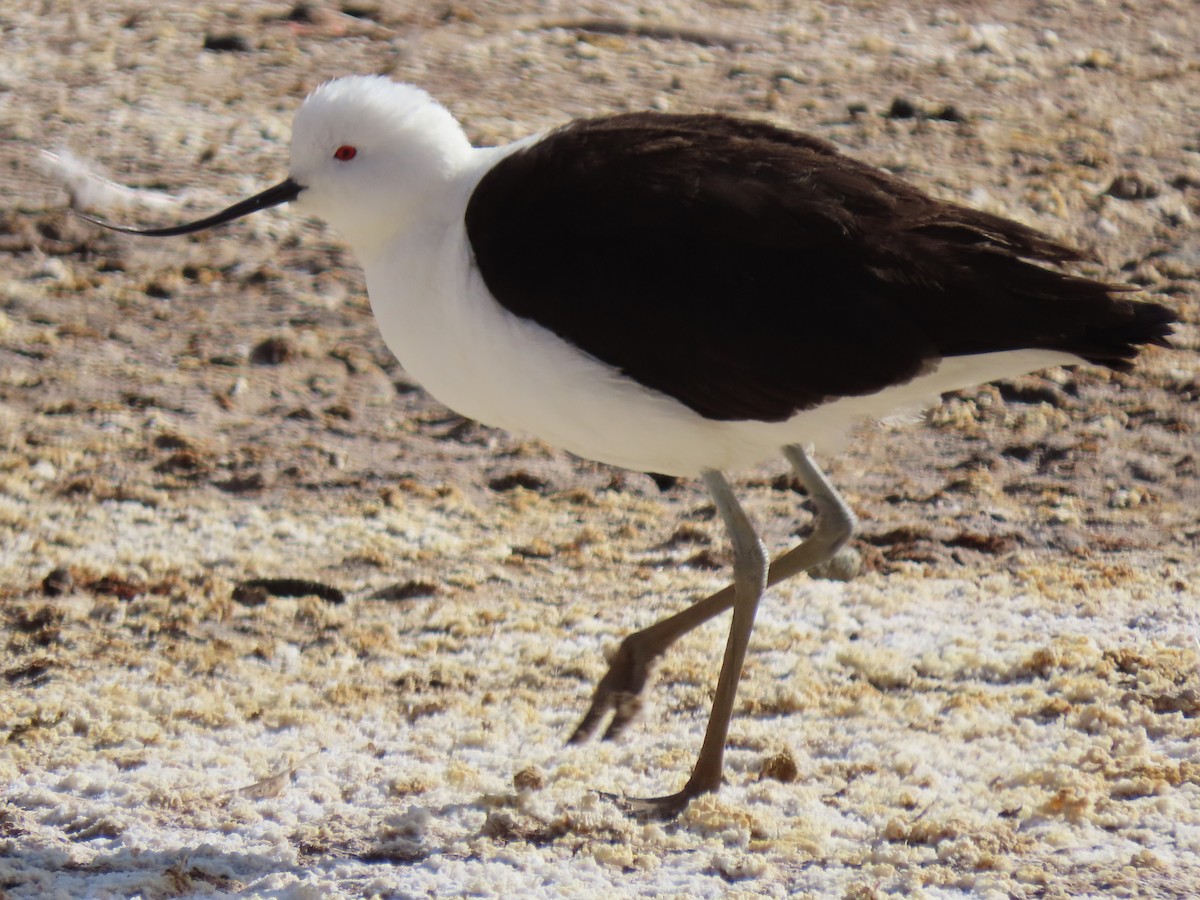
619 691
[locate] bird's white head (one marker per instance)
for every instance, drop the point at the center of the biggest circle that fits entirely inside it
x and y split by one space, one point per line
369 153
369 156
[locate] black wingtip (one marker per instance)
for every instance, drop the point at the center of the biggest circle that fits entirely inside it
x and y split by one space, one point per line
1117 344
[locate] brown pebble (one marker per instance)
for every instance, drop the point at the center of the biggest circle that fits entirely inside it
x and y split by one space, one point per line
705 559
58 582
529 779
226 43
285 587
240 484
1132 186
406 591
251 595
272 352
117 586
781 767
901 109
169 440
518 478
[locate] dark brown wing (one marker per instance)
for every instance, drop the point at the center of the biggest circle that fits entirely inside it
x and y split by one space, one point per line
751 272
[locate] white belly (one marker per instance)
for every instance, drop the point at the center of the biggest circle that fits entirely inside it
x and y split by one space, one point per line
489 365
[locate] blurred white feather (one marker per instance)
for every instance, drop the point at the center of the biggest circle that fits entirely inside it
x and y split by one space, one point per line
91 190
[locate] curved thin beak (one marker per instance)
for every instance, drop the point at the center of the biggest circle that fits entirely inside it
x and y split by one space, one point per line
283 192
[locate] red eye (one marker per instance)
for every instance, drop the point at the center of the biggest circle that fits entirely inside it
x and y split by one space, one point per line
345 152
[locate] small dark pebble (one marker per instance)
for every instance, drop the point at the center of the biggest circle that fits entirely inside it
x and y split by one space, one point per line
250 596
786 481
367 11
160 290
242 484
687 533
169 441
705 559
1132 186
901 109
117 586
272 352
303 13
226 43
991 544
183 462
409 590
664 482
1019 452
58 582
517 479
134 400
948 113
905 534
285 587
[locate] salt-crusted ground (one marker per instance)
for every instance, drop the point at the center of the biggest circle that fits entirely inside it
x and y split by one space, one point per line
1005 702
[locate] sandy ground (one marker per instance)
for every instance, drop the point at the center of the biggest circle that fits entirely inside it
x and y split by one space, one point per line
1004 702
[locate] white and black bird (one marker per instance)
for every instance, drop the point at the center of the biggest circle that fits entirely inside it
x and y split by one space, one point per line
685 295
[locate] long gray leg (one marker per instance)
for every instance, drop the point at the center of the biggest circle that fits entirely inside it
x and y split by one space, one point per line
619 691
750 564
